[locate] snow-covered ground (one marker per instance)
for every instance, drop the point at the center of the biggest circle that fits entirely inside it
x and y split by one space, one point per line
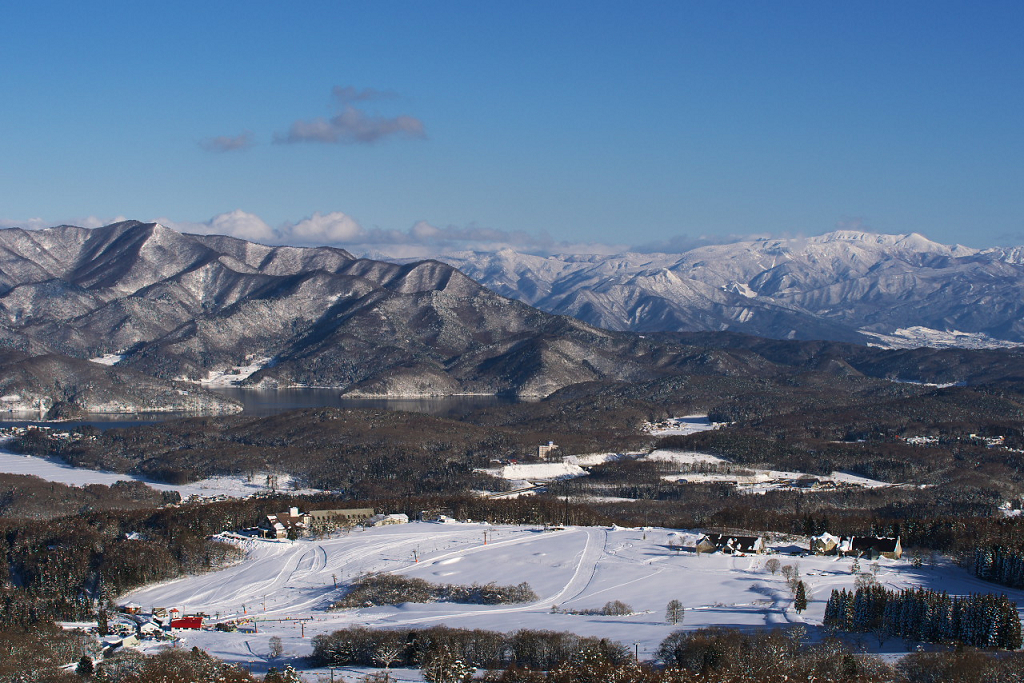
214 378
918 336
527 476
576 568
750 479
234 375
108 359
214 487
681 426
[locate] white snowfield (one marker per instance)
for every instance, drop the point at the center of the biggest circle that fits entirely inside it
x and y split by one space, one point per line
51 469
574 568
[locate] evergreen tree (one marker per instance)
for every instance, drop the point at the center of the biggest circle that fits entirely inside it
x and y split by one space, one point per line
85 666
800 601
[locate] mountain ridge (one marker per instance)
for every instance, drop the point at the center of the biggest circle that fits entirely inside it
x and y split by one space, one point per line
178 307
845 285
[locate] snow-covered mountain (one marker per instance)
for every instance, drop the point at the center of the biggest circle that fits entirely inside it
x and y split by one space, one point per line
178 306
892 290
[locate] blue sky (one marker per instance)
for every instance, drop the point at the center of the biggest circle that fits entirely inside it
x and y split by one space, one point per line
540 124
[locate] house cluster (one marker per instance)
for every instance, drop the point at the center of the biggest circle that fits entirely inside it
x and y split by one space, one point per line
130 626
731 544
870 547
295 524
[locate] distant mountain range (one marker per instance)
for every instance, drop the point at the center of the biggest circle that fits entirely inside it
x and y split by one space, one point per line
161 312
890 290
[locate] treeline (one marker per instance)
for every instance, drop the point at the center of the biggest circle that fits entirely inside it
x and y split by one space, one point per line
28 496
66 568
978 620
1000 565
708 655
392 589
361 646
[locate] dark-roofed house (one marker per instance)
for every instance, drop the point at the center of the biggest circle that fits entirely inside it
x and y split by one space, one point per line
872 547
730 544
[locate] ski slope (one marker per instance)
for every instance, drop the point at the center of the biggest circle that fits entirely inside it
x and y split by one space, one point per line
576 568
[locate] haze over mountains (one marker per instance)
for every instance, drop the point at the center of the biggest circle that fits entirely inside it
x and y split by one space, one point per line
170 307
891 290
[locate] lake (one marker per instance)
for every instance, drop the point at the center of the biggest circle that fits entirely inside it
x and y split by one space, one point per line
263 402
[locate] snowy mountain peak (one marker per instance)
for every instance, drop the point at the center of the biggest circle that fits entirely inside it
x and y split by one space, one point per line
846 285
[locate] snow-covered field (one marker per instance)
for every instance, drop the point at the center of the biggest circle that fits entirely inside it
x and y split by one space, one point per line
575 568
688 424
750 479
215 487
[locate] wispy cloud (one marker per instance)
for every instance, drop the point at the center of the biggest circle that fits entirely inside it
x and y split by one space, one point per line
228 143
678 244
353 125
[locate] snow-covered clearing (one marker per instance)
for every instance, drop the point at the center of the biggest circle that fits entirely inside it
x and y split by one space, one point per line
236 374
576 568
51 469
108 359
526 477
681 426
749 479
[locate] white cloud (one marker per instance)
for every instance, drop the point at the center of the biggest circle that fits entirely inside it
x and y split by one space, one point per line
235 223
327 228
421 240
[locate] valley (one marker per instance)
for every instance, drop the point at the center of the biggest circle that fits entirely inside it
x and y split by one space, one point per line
592 461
